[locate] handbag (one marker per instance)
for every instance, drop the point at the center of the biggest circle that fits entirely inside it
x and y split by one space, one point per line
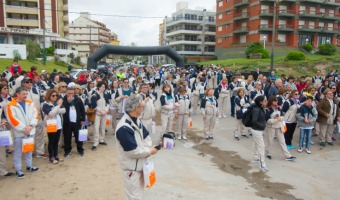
83 134
108 120
27 145
5 138
91 114
51 126
190 122
149 174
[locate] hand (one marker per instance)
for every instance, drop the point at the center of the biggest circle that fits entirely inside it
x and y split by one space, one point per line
328 115
153 151
176 115
69 99
82 123
60 102
279 119
306 121
147 99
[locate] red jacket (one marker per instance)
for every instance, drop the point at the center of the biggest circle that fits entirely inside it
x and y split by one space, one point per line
300 86
11 69
31 74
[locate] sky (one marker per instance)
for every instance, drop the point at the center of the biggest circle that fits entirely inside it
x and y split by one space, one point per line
140 30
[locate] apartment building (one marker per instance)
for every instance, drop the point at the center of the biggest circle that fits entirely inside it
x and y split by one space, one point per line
22 20
297 22
191 32
161 34
89 35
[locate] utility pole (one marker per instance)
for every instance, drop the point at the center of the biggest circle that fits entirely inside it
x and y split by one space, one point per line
44 42
273 38
90 39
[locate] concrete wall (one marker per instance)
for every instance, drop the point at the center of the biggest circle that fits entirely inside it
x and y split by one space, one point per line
6 50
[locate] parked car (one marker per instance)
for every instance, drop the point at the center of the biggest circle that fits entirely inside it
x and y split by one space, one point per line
76 72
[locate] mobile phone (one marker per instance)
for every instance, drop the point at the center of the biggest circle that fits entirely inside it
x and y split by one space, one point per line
158 147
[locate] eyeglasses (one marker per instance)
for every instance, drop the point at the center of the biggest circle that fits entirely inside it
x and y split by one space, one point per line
126 82
54 95
296 94
333 88
77 88
28 82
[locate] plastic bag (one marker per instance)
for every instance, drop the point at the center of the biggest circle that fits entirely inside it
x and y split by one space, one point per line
83 135
5 138
153 127
190 122
51 126
108 120
149 174
27 145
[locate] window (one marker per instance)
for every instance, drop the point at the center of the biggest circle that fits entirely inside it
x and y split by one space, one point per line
220 4
312 10
311 24
220 16
243 39
211 19
227 26
302 8
219 28
322 10
227 38
321 24
228 12
219 40
331 13
282 38
330 26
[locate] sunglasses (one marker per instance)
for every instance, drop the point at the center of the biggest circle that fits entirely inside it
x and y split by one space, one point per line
28 82
296 94
54 95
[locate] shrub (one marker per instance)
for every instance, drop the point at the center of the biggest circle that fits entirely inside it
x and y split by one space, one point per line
256 47
50 51
296 55
327 49
16 55
33 50
308 47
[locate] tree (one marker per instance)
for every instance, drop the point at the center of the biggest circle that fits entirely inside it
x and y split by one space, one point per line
256 47
50 51
16 55
33 50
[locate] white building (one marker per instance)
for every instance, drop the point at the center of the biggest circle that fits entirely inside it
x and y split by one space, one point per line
89 34
191 32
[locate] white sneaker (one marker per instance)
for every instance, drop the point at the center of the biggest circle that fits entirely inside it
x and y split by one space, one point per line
300 149
264 169
225 116
220 116
179 137
255 161
184 138
308 151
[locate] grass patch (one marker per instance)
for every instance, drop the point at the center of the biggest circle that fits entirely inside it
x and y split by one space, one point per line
26 65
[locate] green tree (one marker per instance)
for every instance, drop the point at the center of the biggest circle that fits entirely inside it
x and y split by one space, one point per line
16 55
327 49
33 50
256 47
50 51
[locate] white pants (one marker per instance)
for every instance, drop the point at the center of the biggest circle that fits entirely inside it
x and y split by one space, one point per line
269 137
194 102
166 123
39 138
258 147
239 128
114 114
3 161
182 125
18 153
133 185
223 104
99 130
209 124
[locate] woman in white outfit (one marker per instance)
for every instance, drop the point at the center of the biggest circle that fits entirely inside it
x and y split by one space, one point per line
167 108
197 93
182 113
242 103
209 108
113 103
223 97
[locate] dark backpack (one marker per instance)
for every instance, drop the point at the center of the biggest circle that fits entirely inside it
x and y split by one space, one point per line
247 116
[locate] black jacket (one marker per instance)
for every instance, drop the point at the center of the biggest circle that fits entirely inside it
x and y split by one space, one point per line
80 109
258 119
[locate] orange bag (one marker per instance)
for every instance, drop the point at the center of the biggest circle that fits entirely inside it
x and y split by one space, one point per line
149 174
51 126
190 122
108 120
27 145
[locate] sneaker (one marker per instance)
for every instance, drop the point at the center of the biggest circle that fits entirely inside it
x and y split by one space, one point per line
323 144
269 157
300 149
225 116
330 143
103 143
184 138
206 137
245 136
44 155
264 169
308 151
32 169
211 137
9 174
179 137
53 161
237 138
67 155
290 158
8 151
220 116
255 161
292 145
59 159
20 174
81 154
94 148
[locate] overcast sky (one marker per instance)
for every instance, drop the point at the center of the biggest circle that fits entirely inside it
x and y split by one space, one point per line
142 31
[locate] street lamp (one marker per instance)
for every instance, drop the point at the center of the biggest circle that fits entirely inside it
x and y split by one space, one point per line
306 40
273 36
327 41
264 41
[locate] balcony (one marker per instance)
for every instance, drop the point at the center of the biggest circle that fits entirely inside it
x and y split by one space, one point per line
22 22
305 14
286 13
287 1
331 3
22 10
265 28
187 21
182 31
330 17
308 28
65 18
329 30
240 3
66 29
241 30
285 28
183 41
312 1
241 16
266 13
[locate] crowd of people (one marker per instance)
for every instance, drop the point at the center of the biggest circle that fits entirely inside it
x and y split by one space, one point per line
30 100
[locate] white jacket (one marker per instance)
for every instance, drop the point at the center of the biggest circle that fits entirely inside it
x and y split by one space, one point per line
19 119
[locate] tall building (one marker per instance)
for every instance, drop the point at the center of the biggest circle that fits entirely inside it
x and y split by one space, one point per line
22 20
191 32
161 35
297 22
89 34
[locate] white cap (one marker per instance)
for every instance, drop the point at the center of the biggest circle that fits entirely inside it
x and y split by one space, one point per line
43 71
71 85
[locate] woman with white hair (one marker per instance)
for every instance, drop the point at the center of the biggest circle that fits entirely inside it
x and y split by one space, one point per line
134 146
